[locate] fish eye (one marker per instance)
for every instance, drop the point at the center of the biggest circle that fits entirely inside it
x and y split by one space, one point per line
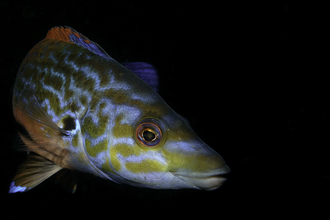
148 133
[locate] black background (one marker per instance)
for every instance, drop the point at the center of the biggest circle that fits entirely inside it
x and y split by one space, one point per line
251 78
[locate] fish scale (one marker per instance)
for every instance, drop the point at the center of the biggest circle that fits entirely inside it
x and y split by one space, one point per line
79 109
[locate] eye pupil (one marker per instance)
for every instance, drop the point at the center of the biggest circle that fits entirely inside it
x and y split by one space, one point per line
148 136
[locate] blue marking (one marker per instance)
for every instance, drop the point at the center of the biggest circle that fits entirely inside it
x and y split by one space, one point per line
146 72
15 189
93 47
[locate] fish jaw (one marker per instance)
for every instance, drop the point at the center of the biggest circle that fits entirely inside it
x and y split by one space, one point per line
204 181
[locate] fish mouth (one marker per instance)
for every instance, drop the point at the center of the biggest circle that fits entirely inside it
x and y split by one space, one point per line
204 181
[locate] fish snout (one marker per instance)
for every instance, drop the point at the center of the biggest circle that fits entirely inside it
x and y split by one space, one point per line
199 167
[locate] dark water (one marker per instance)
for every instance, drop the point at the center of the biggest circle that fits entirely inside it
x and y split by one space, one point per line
251 79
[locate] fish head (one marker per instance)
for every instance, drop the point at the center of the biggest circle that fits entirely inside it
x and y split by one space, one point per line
163 152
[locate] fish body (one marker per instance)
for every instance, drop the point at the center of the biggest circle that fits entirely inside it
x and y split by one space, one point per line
79 109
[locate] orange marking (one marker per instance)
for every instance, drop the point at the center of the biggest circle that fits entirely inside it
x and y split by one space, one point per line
63 34
59 33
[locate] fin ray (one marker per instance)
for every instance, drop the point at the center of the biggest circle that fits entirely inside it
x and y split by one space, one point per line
70 35
36 112
38 131
33 171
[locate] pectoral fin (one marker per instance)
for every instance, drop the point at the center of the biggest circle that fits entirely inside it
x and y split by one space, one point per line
33 171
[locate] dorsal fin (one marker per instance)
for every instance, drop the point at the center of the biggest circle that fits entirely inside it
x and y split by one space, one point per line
69 35
146 72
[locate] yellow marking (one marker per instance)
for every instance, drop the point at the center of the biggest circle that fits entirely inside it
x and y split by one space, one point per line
117 96
180 131
195 162
104 77
98 129
54 101
87 143
155 110
85 83
75 141
82 158
68 94
83 100
74 107
145 166
125 150
106 166
122 130
114 160
95 149
54 81
95 130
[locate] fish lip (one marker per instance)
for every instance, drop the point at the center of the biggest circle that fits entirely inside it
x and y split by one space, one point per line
204 180
215 172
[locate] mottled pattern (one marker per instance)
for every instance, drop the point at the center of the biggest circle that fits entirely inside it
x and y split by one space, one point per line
104 102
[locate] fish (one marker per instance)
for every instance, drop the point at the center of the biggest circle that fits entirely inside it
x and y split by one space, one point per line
78 109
